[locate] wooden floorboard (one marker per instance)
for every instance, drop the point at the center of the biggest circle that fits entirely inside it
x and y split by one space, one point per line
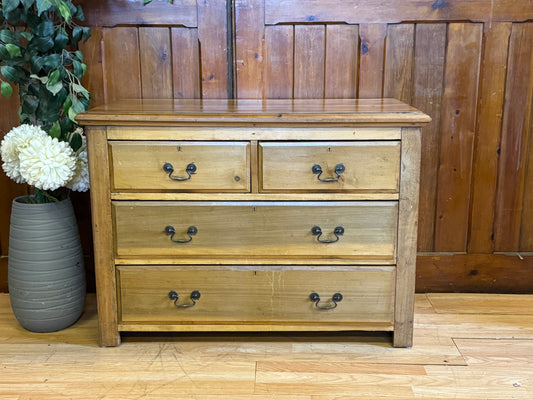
465 347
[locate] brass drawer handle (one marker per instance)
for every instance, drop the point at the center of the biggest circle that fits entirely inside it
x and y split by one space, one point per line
339 169
171 231
336 298
173 295
317 231
190 169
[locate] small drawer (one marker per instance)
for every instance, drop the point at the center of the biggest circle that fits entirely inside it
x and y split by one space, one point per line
180 166
330 166
256 229
160 294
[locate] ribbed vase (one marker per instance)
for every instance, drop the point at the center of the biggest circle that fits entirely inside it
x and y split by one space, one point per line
46 275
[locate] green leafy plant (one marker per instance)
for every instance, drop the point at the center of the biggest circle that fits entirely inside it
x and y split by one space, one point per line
39 54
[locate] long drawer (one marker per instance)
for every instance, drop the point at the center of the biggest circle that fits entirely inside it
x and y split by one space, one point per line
173 295
180 166
256 229
330 166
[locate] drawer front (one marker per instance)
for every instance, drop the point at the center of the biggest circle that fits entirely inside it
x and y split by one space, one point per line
256 229
180 166
254 296
330 166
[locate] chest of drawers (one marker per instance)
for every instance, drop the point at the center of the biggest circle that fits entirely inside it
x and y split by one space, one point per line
250 215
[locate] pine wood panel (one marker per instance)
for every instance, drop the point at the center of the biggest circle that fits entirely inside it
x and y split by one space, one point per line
279 62
309 48
371 166
341 63
371 60
256 230
488 137
127 12
429 64
121 48
212 34
249 57
185 63
514 143
377 11
458 127
156 63
399 58
220 166
264 297
93 56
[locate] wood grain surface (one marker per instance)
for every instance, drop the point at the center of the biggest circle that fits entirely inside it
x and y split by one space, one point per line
465 347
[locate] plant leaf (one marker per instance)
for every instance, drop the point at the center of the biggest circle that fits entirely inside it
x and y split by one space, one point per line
29 105
7 36
10 5
53 61
77 105
14 50
27 3
146 2
4 54
27 35
15 15
43 79
55 131
79 68
54 77
72 115
12 74
86 33
79 13
81 90
43 5
76 141
41 44
64 10
45 28
5 89
77 33
55 88
61 39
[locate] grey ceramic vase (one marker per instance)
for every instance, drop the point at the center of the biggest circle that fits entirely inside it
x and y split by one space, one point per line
46 275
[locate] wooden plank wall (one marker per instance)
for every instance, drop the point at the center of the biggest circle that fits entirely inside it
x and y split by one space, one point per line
469 64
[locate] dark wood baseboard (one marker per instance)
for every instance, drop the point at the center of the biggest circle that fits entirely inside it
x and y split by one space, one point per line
474 273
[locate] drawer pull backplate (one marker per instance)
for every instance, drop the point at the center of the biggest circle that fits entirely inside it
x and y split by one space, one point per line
171 231
169 169
317 231
195 295
339 169
336 298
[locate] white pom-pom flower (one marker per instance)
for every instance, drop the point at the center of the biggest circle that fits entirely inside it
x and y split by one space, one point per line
14 141
47 163
80 180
